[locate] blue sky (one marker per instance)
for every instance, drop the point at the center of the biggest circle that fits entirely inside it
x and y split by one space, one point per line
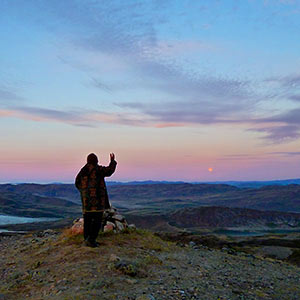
173 87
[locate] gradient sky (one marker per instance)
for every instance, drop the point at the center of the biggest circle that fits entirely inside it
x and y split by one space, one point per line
178 90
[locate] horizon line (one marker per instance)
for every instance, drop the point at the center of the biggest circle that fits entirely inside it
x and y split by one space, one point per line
150 180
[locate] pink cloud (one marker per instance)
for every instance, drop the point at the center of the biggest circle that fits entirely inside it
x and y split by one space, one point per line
164 125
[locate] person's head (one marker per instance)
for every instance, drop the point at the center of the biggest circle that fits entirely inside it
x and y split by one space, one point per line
92 159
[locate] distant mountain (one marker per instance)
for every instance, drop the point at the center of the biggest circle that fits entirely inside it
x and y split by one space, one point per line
142 182
241 184
257 184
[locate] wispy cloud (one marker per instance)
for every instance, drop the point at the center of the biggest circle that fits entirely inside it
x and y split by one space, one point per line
279 134
295 97
292 80
287 153
8 96
260 156
101 85
242 157
80 117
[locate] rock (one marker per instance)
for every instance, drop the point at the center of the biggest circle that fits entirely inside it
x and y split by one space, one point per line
192 244
119 218
112 217
232 252
132 226
145 297
131 281
77 227
46 232
126 268
114 258
76 220
119 226
109 227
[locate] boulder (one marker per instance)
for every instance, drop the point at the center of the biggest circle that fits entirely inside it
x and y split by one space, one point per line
119 226
118 218
109 227
77 227
132 226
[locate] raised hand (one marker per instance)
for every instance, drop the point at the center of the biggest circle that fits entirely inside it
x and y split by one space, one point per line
112 156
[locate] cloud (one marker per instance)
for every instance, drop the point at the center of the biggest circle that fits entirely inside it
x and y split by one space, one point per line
280 128
260 156
199 100
279 134
288 154
295 97
7 96
287 1
286 81
80 117
246 157
101 85
42 114
290 117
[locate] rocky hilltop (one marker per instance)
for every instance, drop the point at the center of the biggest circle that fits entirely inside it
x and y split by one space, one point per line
138 265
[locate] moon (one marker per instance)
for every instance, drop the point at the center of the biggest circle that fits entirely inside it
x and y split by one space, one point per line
210 169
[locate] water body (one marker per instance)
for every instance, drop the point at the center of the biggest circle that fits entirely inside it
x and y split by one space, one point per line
6 220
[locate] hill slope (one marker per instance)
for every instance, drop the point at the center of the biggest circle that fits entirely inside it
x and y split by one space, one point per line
216 217
29 205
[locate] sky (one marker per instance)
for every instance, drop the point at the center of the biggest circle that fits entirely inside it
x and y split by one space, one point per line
205 90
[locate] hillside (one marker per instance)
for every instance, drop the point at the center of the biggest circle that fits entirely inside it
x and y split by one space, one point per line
216 217
137 266
62 191
161 198
37 200
31 205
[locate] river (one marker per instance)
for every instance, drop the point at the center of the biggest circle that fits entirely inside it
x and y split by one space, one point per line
6 220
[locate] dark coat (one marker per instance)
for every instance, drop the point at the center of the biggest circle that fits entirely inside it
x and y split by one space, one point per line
91 184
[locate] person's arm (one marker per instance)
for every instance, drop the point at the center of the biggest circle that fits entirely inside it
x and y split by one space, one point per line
108 171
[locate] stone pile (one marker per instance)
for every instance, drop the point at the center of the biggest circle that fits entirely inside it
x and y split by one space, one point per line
111 221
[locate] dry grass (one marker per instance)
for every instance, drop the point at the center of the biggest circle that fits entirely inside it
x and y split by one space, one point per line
46 266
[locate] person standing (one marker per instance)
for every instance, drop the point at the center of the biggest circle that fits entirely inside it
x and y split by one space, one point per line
91 184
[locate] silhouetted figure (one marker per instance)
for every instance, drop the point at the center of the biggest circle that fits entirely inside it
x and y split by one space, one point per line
91 184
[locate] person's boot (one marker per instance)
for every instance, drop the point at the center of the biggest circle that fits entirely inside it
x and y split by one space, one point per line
90 243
